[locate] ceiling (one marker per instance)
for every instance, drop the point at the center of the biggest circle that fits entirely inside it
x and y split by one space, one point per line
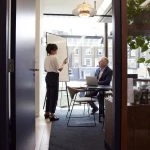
65 7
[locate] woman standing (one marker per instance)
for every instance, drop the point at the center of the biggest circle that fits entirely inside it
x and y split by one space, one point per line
52 68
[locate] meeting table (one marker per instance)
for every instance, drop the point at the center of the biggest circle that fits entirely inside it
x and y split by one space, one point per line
99 88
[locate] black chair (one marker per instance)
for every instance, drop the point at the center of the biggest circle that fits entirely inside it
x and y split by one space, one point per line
80 101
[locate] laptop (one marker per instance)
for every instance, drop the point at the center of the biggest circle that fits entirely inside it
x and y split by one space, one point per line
91 81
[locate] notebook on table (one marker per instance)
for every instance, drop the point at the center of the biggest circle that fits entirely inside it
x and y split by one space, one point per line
91 81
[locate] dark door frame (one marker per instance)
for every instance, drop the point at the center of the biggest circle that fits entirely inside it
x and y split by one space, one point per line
119 74
4 106
7 91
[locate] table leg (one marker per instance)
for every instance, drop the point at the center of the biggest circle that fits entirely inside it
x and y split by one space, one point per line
101 105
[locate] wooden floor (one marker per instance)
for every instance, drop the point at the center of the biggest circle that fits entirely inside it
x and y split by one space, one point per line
43 128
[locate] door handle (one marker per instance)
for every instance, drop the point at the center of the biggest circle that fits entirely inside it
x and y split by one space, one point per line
32 69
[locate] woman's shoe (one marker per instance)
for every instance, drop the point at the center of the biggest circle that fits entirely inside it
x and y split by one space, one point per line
94 110
54 118
47 116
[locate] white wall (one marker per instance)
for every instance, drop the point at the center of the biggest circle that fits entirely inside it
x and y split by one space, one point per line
38 49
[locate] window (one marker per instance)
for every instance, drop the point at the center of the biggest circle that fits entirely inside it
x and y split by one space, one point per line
100 52
88 51
87 62
84 43
76 51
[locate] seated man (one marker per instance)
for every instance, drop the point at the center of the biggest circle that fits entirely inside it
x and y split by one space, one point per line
104 77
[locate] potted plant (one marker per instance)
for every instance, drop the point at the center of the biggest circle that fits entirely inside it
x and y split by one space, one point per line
143 44
138 34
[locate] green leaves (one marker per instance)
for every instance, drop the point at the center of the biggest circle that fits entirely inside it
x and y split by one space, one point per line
147 61
144 47
133 9
133 45
138 15
141 60
140 41
148 38
143 44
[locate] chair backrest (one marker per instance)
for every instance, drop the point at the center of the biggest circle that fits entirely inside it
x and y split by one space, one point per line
72 91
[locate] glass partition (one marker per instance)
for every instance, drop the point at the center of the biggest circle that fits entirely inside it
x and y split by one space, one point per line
85 42
138 48
138 103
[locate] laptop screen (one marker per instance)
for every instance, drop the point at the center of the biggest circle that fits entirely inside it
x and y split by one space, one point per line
91 81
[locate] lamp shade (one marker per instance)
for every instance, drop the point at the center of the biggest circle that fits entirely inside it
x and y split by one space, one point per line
84 9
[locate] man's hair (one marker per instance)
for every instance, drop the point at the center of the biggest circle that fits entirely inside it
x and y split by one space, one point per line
105 58
51 47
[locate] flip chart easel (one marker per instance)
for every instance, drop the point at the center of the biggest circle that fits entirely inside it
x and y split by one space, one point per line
64 90
61 90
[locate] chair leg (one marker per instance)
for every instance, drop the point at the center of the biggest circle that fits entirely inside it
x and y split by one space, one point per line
70 114
88 109
69 109
84 110
94 120
68 125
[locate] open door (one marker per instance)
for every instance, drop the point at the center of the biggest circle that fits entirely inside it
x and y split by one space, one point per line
22 100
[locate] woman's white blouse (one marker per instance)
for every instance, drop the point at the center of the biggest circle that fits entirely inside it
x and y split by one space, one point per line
51 63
